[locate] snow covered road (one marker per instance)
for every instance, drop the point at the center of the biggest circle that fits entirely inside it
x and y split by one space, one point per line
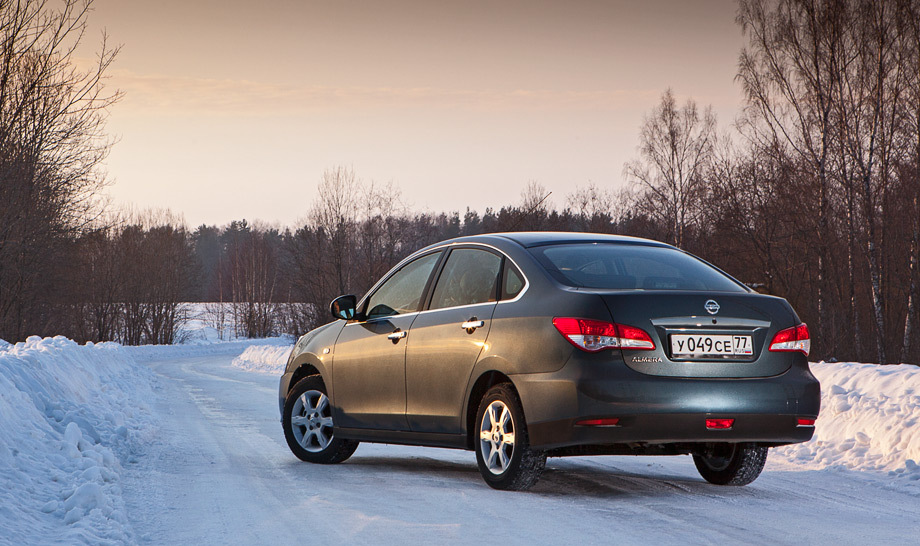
219 472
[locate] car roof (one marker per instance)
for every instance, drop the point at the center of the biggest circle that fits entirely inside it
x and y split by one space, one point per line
530 239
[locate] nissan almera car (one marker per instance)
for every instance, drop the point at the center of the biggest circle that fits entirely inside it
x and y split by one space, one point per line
523 346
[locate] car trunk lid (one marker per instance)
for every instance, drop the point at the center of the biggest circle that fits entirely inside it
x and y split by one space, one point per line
703 334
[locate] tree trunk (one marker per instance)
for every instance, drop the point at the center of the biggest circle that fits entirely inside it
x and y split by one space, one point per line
874 272
911 291
851 253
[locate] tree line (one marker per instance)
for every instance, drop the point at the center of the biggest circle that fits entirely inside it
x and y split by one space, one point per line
812 193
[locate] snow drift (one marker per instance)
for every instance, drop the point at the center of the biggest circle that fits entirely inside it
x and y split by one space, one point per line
869 418
196 348
264 358
70 416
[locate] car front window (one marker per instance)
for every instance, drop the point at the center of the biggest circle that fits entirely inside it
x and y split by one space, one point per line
402 292
631 267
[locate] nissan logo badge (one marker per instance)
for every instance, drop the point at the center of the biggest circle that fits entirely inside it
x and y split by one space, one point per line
712 307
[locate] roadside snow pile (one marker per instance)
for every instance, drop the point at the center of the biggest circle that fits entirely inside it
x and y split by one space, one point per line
869 420
150 353
264 358
69 415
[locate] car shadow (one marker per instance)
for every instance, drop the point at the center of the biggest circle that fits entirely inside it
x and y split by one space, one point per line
562 478
606 482
419 467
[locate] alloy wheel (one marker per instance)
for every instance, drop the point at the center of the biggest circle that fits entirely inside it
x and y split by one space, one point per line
311 421
496 437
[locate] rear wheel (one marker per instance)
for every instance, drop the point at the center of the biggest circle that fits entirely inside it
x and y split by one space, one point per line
502 445
307 422
730 464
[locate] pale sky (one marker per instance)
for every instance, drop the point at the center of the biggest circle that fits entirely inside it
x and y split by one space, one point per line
233 109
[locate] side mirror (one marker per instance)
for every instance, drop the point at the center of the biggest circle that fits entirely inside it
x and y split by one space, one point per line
343 307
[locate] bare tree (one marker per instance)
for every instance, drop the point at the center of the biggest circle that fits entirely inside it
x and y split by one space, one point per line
135 311
335 213
593 207
675 147
534 208
253 275
872 86
789 70
322 254
51 143
909 14
99 286
156 270
379 240
169 269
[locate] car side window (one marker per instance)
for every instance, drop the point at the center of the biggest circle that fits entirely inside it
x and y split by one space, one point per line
469 276
512 283
402 292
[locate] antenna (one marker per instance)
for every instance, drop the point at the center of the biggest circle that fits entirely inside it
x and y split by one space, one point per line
526 214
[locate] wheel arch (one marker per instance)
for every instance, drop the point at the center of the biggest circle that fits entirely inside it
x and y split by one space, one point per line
311 356
306 364
481 386
303 371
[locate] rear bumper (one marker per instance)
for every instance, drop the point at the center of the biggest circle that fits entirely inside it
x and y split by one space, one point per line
664 410
671 429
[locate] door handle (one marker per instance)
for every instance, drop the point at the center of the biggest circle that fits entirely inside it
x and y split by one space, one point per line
397 335
471 325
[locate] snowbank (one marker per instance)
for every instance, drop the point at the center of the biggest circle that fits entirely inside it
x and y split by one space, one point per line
869 420
70 415
264 358
149 353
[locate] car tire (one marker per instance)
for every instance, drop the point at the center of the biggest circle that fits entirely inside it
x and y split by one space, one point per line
501 442
307 422
731 464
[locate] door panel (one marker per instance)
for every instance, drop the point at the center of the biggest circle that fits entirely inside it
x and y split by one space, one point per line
369 373
369 366
439 360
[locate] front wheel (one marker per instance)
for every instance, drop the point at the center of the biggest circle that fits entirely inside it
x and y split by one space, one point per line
307 422
731 464
502 445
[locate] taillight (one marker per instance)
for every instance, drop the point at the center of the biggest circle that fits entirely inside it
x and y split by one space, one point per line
792 339
596 335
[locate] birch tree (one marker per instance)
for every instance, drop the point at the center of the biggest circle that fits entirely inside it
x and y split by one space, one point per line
675 147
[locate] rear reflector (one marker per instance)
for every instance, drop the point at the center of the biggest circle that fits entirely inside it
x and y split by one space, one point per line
796 338
599 422
806 422
719 424
596 335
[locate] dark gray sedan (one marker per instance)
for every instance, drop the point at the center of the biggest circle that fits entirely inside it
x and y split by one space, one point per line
521 346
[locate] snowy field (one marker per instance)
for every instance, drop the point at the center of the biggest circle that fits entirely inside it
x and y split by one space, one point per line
103 444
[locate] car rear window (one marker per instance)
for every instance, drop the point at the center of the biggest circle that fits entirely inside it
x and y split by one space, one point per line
631 267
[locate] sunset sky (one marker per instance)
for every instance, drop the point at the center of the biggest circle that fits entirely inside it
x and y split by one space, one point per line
233 109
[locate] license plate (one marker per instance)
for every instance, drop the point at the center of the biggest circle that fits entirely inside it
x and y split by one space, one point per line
697 345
